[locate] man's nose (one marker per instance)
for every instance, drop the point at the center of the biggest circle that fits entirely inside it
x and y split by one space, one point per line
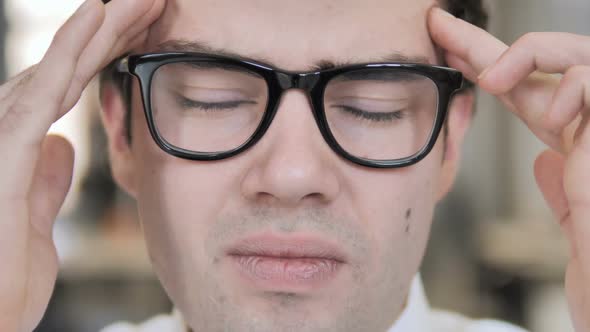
292 163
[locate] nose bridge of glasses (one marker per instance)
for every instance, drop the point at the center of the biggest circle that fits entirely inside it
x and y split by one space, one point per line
304 81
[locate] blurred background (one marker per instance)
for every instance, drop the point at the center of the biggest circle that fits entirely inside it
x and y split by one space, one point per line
495 250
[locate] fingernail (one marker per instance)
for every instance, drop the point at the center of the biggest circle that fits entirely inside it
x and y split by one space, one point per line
443 12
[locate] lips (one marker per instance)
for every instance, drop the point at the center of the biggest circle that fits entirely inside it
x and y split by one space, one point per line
287 247
286 262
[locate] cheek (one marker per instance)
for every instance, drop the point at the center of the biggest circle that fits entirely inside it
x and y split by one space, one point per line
178 201
397 207
182 198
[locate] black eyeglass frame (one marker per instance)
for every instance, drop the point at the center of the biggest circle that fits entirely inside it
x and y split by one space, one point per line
447 80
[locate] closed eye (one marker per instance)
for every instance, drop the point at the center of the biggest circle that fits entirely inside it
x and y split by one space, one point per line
373 116
217 106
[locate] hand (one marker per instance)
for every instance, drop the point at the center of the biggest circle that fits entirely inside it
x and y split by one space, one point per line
36 169
556 109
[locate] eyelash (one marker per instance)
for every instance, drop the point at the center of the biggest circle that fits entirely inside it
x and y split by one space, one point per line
373 116
358 113
224 106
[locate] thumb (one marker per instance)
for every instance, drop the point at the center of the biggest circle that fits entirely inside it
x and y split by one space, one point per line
549 170
52 180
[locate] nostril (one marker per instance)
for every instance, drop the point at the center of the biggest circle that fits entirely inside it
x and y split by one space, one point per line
265 198
319 197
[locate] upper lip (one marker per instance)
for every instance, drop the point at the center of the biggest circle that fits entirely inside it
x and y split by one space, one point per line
287 246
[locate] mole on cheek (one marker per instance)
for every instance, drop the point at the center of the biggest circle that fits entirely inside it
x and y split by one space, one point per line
408 216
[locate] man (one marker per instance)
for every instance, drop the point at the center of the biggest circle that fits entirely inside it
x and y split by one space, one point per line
284 155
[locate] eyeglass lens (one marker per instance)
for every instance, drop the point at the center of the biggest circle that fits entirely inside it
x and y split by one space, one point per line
377 114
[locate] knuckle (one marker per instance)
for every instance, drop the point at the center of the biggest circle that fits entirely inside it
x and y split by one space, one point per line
530 39
16 112
11 87
13 124
21 106
25 107
9 122
59 37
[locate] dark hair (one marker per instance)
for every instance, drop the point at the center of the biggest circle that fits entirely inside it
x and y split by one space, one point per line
472 11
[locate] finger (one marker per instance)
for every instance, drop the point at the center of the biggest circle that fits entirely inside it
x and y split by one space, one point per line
138 32
576 285
576 183
23 127
41 99
571 99
549 173
461 65
124 21
548 52
480 50
549 168
52 181
472 44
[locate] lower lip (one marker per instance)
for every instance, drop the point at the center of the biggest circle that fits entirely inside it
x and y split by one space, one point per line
281 273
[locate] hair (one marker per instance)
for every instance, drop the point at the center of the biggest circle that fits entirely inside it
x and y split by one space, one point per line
472 11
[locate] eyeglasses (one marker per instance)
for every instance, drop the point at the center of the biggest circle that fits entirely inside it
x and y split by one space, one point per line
209 107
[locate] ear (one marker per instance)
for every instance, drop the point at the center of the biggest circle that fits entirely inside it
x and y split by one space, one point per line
113 116
458 120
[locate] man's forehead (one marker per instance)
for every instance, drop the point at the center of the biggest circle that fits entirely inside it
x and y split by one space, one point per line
297 35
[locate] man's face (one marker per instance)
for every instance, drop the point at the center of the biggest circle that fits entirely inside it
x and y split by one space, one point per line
290 190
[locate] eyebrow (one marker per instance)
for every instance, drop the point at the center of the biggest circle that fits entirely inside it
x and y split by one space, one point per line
180 45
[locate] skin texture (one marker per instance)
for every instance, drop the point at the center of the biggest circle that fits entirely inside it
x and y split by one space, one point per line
290 182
